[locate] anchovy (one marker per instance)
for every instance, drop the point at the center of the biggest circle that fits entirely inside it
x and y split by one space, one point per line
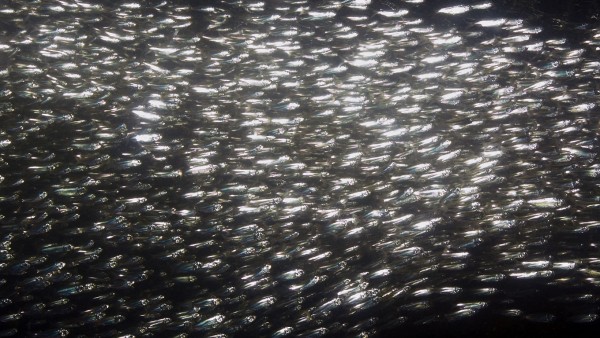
295 168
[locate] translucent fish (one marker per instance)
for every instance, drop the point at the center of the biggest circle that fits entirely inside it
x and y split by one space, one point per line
540 317
583 318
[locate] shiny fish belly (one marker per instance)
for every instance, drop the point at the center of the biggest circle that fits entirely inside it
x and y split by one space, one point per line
294 168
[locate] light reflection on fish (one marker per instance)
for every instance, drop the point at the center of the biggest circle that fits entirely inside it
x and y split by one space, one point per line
292 168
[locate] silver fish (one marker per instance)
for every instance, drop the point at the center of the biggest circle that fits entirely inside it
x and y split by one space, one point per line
295 168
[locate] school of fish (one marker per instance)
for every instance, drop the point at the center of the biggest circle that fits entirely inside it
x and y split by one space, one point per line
293 168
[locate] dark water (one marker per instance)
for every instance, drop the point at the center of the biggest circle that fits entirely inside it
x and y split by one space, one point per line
301 168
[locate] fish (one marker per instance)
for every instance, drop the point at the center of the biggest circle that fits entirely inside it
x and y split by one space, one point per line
296 168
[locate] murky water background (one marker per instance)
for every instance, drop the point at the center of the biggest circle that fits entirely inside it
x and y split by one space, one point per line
243 168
